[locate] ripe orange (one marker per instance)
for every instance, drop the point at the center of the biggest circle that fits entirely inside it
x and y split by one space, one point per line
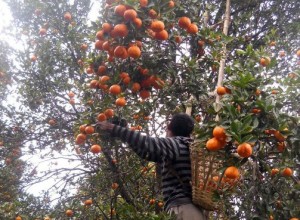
256 110
115 89
69 213
101 69
94 84
100 35
160 204
152 201
214 144
274 171
244 150
95 149
171 4
114 186
279 136
120 52
221 90
33 58
42 31
88 202
272 43
89 130
109 113
152 13
264 61
81 137
192 29
126 80
82 128
120 10
101 117
137 22
121 102
280 146
120 30
135 87
232 172
52 122
162 35
157 26
219 133
201 43
130 14
144 94
184 22
68 16
72 101
106 27
99 44
134 52
18 218
294 218
178 39
143 3
106 45
287 172
71 94
84 47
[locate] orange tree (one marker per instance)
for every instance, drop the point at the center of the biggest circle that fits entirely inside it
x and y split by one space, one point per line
140 63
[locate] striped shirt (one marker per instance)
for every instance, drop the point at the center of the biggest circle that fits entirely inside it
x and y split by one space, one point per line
172 154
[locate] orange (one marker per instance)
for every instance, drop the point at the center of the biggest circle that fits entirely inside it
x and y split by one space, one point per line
18 218
137 22
71 94
130 15
69 213
135 87
126 80
89 70
123 75
84 47
94 84
160 204
134 52
264 61
279 136
104 79
109 113
157 82
272 43
287 172
221 90
121 102
88 202
256 110
219 133
157 26
72 101
106 27
68 16
143 3
120 10
244 150
100 35
162 35
89 130
33 58
184 22
274 171
214 144
42 31
101 117
232 172
95 149
192 29
152 13
114 186
106 45
120 52
101 69
171 4
52 122
115 89
152 201
144 94
201 43
121 30
99 44
82 128
178 39
280 146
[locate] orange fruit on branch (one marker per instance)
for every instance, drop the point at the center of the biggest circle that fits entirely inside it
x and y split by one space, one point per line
214 144
274 171
120 52
265 61
134 52
221 90
143 3
232 172
121 102
152 13
109 113
99 44
244 150
184 22
137 22
115 89
88 202
157 26
135 87
120 10
144 94
162 35
101 117
89 130
114 186
219 133
120 30
68 16
95 149
69 213
192 29
171 4
287 172
106 27
279 136
130 14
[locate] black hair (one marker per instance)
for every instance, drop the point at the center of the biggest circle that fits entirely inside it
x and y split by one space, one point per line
181 124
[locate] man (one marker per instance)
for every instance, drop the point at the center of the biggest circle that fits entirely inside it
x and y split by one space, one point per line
172 153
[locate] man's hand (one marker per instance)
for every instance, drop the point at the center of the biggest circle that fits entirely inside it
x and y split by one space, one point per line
104 125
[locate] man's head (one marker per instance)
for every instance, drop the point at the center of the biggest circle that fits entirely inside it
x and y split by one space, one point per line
180 125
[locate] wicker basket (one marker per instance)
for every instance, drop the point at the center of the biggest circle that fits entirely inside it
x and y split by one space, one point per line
205 172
